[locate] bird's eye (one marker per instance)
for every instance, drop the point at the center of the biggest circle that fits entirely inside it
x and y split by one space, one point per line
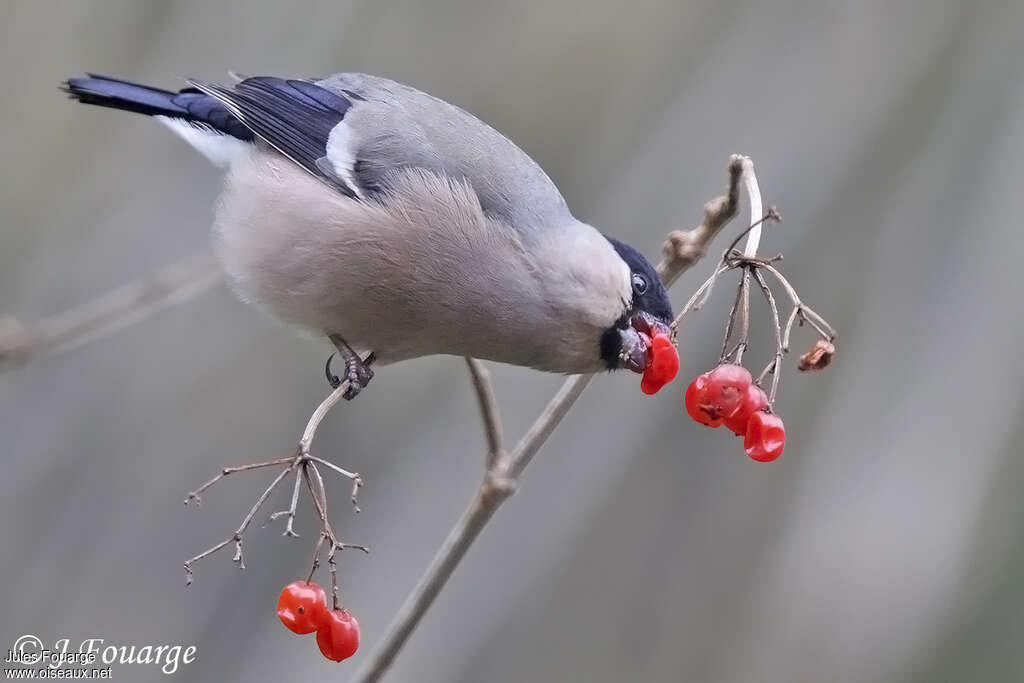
639 284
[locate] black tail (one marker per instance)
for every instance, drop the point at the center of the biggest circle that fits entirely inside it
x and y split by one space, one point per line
189 104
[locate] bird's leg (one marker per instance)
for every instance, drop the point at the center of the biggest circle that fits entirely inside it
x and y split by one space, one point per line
357 370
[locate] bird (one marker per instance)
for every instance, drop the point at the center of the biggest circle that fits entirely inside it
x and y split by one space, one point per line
399 226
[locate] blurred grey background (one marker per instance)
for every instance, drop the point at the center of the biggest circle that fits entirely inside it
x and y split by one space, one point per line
887 543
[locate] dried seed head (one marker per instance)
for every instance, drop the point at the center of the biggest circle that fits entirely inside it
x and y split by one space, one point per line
818 357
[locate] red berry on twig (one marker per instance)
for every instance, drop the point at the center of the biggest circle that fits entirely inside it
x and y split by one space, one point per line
338 638
302 606
766 436
754 400
718 395
694 398
727 387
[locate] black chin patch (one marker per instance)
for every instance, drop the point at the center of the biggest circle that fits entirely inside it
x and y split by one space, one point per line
611 343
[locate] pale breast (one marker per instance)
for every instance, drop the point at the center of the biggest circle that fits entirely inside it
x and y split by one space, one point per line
424 272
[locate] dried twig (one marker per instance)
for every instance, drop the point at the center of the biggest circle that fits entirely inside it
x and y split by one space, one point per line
488 411
301 463
195 495
800 310
289 529
319 496
751 266
774 365
236 537
118 308
682 249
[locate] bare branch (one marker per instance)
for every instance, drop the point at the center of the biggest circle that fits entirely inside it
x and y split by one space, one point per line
741 345
681 250
488 410
118 308
776 364
357 479
237 536
302 462
194 495
289 529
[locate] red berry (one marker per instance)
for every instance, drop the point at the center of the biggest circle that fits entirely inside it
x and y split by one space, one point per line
727 386
718 395
302 606
338 638
766 436
662 364
693 399
754 400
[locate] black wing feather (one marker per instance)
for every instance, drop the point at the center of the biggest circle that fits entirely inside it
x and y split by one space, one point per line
293 116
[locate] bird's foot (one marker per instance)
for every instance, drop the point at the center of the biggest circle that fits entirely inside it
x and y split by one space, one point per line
358 373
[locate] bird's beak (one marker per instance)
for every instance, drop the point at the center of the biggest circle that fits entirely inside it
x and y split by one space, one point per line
636 340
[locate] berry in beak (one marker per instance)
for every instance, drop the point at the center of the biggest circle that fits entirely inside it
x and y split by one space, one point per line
636 341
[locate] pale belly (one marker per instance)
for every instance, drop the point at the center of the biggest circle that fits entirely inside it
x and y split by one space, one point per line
389 281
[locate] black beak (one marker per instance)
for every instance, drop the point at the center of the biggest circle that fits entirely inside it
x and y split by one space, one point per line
636 340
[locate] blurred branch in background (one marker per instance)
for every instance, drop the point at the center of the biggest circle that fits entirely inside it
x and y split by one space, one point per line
119 308
682 249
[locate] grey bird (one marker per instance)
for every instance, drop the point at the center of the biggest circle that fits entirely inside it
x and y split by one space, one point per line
398 224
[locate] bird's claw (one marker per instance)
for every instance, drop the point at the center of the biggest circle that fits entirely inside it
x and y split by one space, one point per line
332 379
357 372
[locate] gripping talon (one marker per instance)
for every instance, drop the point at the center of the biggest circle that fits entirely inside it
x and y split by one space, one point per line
357 370
358 374
332 379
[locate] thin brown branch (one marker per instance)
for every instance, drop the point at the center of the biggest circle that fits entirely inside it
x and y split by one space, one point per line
126 305
776 364
800 310
319 495
357 479
682 249
289 529
236 537
195 495
488 411
730 325
728 261
741 345
303 462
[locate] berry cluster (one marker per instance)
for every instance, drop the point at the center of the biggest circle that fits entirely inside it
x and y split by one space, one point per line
302 608
727 396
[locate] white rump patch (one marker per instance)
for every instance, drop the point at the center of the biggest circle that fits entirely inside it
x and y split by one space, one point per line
221 149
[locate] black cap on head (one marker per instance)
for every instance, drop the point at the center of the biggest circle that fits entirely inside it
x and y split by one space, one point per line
649 297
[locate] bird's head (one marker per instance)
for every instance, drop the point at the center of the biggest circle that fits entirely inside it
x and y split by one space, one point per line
626 343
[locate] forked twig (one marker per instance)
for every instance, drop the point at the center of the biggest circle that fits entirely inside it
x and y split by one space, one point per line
289 529
800 310
301 463
236 537
195 495
319 496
